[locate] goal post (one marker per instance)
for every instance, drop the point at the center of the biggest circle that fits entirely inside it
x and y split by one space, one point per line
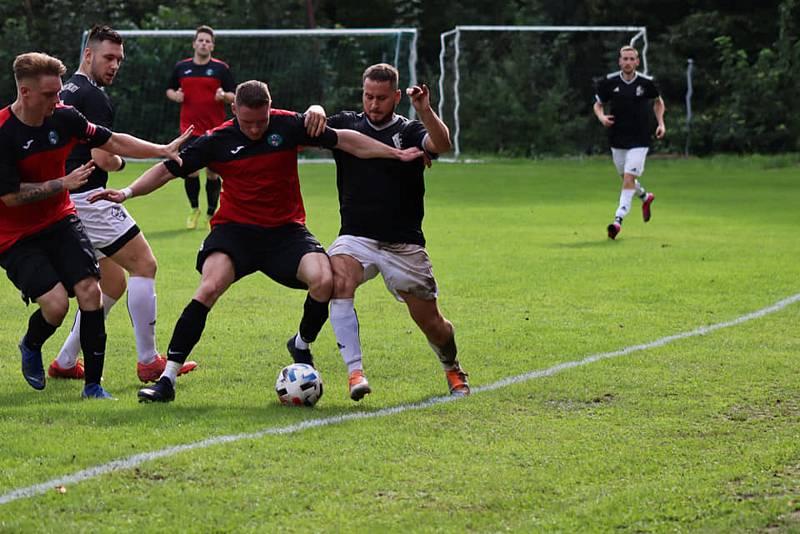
461 64
302 67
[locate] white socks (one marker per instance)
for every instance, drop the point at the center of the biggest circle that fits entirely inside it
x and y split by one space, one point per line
625 198
68 356
344 321
171 371
142 309
299 343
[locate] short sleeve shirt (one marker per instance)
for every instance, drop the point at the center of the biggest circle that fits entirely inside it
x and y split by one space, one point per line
199 84
630 103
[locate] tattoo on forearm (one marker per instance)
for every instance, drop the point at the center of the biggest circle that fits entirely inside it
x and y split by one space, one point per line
35 192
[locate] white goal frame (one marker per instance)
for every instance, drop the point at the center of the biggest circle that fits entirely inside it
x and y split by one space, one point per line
640 32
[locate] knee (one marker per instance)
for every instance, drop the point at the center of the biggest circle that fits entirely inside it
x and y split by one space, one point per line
54 310
343 287
87 292
320 287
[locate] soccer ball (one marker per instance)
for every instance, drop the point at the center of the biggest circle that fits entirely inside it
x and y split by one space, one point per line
299 384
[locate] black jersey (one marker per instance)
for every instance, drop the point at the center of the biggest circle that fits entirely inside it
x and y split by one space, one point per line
261 185
631 107
92 101
381 199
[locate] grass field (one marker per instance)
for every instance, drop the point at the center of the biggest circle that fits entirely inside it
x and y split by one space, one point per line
699 434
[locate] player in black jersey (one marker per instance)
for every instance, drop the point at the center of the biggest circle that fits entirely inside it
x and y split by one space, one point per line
260 225
628 93
119 244
381 206
43 246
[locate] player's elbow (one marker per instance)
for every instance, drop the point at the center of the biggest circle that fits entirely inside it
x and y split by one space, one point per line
11 200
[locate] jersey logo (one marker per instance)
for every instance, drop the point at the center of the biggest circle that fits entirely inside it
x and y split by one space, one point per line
275 140
639 90
27 145
209 72
397 140
52 136
187 71
117 213
237 149
616 89
71 87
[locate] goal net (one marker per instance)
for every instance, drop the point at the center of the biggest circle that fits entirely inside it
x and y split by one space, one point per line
302 67
528 90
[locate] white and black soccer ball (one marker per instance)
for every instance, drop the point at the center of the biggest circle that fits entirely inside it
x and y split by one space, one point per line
299 384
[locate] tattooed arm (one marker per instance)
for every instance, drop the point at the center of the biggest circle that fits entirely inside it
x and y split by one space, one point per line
34 192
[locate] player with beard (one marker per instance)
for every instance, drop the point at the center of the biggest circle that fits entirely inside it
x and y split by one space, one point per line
119 244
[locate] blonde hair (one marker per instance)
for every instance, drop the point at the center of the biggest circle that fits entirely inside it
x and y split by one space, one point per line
35 64
628 48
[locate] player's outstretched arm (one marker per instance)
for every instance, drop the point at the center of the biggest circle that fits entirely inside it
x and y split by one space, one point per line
133 147
365 147
438 140
34 192
152 179
106 160
658 109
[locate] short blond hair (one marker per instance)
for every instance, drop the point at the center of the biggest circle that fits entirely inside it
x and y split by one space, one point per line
628 48
35 64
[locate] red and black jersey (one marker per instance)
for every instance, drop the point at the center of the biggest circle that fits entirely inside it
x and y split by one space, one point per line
631 107
199 84
381 199
261 186
38 154
93 102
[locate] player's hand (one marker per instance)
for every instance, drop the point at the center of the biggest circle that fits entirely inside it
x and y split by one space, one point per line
172 150
113 195
315 120
607 120
420 97
427 160
179 95
410 154
219 96
79 176
661 131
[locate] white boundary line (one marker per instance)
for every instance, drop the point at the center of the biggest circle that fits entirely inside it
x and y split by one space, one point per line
138 459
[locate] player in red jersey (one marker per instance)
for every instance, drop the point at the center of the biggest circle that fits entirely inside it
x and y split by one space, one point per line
260 225
202 86
43 246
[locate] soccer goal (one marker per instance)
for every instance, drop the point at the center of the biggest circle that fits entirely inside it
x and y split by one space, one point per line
302 67
527 90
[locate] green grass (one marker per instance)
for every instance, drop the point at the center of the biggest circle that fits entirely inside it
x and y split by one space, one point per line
697 435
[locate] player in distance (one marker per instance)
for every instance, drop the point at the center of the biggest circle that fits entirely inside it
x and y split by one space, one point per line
628 93
260 225
44 248
118 243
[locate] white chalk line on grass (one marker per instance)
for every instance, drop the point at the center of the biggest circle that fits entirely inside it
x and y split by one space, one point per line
138 459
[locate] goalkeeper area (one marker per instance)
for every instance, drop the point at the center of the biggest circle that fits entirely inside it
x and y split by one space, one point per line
302 67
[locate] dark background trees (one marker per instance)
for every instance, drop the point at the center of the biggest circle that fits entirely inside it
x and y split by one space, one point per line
747 58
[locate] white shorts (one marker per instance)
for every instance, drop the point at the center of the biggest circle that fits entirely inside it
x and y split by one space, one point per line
629 160
108 224
405 267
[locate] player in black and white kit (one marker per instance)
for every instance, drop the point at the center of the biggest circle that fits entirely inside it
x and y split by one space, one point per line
629 94
381 207
119 244
260 226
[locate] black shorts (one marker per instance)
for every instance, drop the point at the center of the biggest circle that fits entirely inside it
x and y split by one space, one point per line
61 252
275 252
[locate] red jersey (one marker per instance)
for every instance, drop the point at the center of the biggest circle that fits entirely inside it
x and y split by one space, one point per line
34 155
199 84
261 186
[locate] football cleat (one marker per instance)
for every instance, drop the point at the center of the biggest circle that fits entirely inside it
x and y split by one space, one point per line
32 368
614 229
161 391
96 391
191 220
299 355
56 371
150 372
457 382
359 387
646 206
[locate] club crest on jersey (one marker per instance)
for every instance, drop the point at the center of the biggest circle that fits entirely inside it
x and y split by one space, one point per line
639 90
616 89
52 136
397 140
275 140
209 71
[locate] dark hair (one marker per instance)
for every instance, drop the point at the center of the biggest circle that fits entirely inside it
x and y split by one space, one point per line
98 34
34 64
382 72
204 29
252 94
